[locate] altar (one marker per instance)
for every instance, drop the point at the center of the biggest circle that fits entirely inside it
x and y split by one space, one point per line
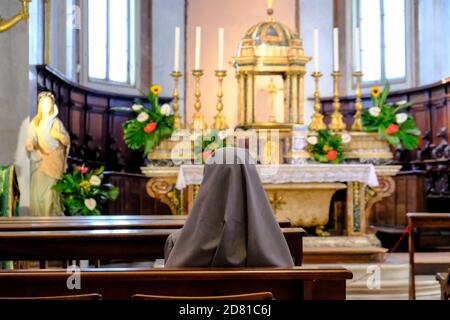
300 193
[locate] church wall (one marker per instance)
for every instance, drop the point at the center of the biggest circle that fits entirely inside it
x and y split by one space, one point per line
317 14
236 17
434 42
166 15
14 96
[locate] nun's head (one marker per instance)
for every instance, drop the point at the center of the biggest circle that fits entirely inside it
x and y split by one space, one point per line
230 155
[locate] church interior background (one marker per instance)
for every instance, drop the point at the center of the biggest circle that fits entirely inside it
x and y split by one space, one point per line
293 73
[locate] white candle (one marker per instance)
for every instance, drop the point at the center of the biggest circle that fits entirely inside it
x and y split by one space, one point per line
198 41
316 50
176 63
358 49
336 49
220 53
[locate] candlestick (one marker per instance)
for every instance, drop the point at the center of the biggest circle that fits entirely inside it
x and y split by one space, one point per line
198 122
176 63
175 104
198 41
337 123
220 52
316 50
357 123
336 49
358 49
219 119
317 122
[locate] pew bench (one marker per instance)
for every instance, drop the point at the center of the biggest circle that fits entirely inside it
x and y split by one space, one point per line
99 222
96 245
296 283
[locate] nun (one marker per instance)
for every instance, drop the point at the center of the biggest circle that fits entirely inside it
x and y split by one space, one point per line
231 223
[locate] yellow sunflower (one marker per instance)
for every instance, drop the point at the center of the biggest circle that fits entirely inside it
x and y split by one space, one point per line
85 185
376 91
155 89
327 148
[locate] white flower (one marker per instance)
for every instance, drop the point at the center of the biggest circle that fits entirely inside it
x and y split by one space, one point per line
166 110
95 181
90 203
142 117
137 107
374 111
346 138
312 140
224 134
401 118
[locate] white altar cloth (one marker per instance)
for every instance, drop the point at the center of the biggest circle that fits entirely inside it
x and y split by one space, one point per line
293 173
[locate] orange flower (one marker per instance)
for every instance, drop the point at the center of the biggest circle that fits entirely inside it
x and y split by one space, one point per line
332 155
155 89
150 127
376 91
206 154
393 128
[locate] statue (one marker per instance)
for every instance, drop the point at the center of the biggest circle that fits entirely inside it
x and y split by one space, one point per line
21 15
48 146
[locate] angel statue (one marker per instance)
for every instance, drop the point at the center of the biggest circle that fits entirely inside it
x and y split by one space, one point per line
48 146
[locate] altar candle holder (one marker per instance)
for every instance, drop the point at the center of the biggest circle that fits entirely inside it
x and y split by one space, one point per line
357 123
176 75
337 122
219 120
198 122
317 122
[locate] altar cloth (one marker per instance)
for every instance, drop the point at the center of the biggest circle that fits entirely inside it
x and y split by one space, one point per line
293 173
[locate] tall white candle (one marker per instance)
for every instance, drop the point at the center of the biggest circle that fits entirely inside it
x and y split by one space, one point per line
358 49
336 49
176 63
198 41
316 50
220 52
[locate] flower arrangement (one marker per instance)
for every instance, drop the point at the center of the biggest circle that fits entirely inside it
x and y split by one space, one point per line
326 147
205 145
151 125
83 192
398 128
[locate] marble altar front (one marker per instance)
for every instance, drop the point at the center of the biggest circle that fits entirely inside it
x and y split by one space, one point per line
301 193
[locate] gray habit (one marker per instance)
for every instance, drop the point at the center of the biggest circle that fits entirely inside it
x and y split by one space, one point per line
231 223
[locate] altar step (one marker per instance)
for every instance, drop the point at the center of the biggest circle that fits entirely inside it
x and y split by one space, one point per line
363 249
393 284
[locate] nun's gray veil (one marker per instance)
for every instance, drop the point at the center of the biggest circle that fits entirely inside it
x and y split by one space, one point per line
231 223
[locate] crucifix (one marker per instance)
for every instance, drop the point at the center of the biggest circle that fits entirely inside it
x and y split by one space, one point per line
272 90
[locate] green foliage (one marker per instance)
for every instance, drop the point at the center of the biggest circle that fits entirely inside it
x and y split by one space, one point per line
77 187
405 134
134 131
326 142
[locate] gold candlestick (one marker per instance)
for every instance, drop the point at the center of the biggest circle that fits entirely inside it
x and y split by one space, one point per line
337 123
357 123
317 122
219 120
198 122
176 98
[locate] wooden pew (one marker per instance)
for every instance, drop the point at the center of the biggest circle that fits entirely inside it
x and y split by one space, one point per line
126 244
285 284
444 281
99 222
423 221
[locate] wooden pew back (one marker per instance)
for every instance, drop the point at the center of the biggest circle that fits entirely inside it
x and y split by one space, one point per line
285 284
